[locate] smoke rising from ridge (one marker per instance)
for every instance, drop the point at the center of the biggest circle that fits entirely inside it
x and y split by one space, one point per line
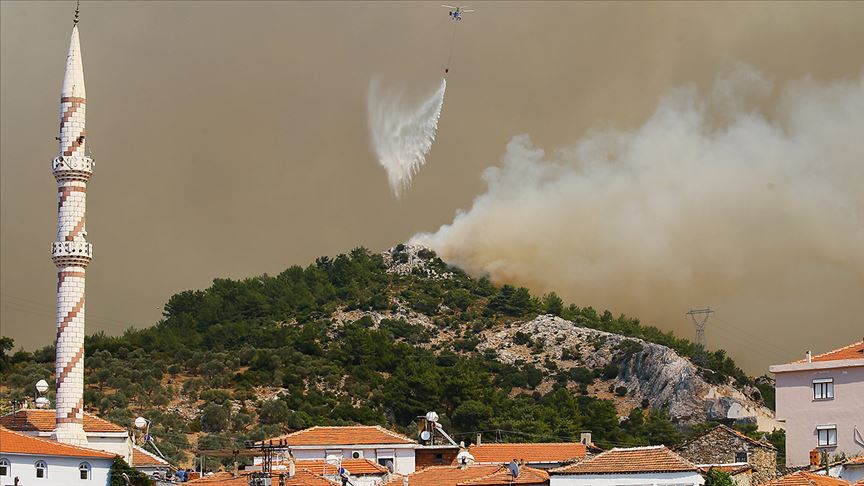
402 134
713 200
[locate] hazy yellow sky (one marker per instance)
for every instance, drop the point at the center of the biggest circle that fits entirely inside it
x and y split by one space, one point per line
230 138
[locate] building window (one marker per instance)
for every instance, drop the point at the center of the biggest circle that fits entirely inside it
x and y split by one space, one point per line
387 458
84 470
823 389
827 435
741 456
41 470
4 468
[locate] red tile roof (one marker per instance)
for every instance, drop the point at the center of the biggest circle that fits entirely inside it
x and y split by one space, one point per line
347 435
301 478
449 475
502 477
141 457
532 453
43 421
852 351
354 466
631 460
805 478
12 442
856 460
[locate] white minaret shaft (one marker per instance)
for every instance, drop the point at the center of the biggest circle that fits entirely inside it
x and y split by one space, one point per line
71 252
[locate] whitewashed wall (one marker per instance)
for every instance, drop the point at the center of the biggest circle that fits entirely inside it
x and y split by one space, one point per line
62 471
645 479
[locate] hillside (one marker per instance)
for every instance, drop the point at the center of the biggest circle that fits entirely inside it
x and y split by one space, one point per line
369 338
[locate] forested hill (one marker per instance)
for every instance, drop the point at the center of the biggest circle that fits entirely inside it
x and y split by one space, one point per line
374 339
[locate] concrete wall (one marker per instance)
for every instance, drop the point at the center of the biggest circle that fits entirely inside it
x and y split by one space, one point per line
61 471
646 479
796 406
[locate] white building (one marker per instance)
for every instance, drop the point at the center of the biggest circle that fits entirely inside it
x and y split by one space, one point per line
382 446
101 434
819 398
29 460
635 466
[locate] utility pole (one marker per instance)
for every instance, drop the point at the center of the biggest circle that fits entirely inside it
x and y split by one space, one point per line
699 318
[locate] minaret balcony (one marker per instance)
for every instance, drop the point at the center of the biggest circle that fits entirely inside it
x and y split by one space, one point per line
74 168
71 253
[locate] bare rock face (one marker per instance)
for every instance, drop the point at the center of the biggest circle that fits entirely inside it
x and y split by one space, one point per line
648 371
407 259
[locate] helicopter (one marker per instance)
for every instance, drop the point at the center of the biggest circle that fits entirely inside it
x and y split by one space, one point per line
456 12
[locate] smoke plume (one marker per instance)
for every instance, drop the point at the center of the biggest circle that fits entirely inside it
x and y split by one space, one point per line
739 194
401 132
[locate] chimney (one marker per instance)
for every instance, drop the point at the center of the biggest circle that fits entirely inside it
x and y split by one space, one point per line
292 469
815 458
808 357
404 480
479 439
585 438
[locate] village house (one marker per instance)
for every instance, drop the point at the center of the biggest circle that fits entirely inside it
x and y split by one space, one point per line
336 443
101 435
26 460
730 451
651 465
819 398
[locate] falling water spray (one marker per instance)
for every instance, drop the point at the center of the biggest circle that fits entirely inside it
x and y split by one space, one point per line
401 132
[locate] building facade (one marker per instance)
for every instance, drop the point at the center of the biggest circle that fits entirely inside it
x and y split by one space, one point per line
635 466
820 400
28 460
724 446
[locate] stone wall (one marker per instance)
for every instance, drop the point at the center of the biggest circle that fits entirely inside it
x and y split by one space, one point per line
722 445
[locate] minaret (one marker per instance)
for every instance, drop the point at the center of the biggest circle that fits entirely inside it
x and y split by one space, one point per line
71 252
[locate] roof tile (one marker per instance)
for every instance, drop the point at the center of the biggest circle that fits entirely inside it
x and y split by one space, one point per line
302 477
852 351
805 478
354 466
43 421
343 435
630 460
141 457
449 475
532 453
502 477
12 442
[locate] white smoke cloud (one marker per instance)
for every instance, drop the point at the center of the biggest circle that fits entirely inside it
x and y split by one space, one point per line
710 200
402 133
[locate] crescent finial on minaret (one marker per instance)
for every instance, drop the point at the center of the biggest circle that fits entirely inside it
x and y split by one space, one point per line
77 10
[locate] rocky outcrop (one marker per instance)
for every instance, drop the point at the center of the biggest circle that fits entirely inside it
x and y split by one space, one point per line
408 259
648 371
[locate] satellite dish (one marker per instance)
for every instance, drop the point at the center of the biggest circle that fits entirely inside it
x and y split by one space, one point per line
425 435
140 422
432 417
41 402
514 468
41 386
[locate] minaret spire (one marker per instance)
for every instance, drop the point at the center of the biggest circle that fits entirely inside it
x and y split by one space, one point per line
71 252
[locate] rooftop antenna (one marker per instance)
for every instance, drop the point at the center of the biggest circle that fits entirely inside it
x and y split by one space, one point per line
77 10
699 318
